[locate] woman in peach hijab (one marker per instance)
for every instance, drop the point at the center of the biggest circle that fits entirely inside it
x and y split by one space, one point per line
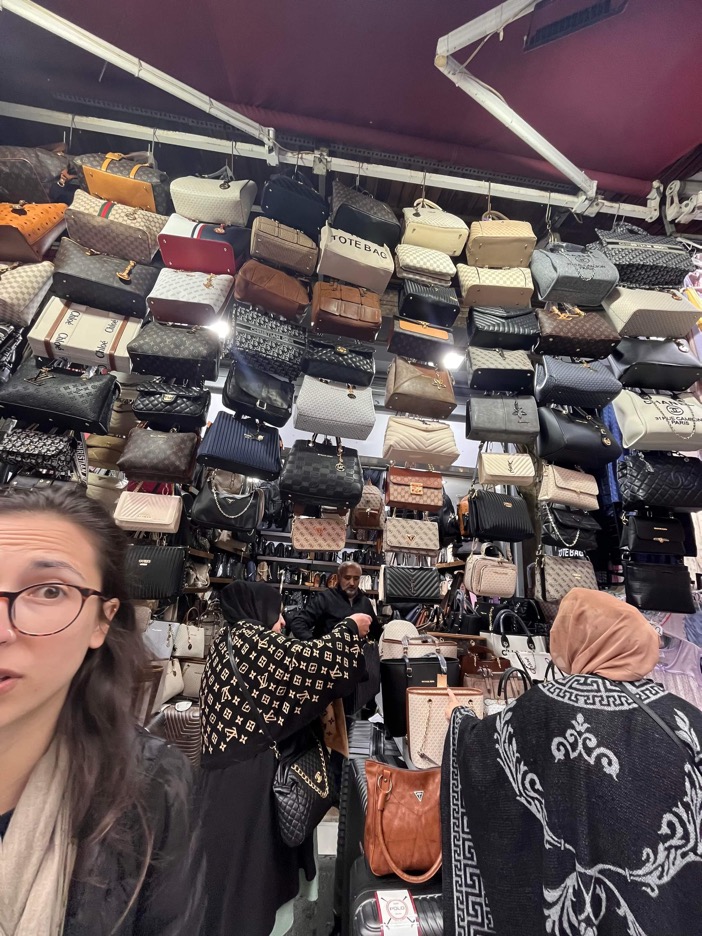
577 811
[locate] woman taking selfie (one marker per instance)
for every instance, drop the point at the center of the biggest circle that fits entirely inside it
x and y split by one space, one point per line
94 814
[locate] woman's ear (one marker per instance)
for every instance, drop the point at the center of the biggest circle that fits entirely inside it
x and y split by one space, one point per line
99 634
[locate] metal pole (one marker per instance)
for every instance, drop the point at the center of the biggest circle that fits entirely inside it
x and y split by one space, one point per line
491 22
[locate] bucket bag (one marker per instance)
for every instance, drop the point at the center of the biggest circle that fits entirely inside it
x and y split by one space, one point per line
267 342
644 260
322 473
408 489
502 419
495 241
437 305
339 359
358 213
419 389
590 385
114 229
294 201
570 488
241 445
250 392
665 365
572 273
214 201
496 370
572 332
490 575
276 291
22 289
283 246
652 313
671 482
427 724
428 225
575 440
334 409
659 423
416 440
510 288
495 327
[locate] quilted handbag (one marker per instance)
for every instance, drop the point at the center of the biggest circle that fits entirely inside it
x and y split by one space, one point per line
322 473
154 572
154 513
283 246
214 201
294 201
22 289
408 489
650 313
203 248
582 383
150 455
419 340
575 333
189 298
671 482
660 536
268 343
490 575
492 370
113 229
38 451
115 177
349 258
502 419
509 329
437 305
325 535
369 513
568 529
555 577
416 440
497 468
171 351
345 310
500 517
427 725
332 358
106 283
511 288
261 396
568 487
652 422
495 241
31 173
240 513
643 259
359 213
652 586
419 389
27 231
572 273
575 440
663 365
265 286
334 409
168 406
409 584
427 225
67 399
431 267
241 445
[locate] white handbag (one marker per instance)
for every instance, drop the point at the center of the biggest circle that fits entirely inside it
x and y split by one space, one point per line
22 289
509 288
327 534
159 638
393 632
495 241
358 262
189 298
650 313
192 678
523 651
419 441
427 225
189 641
338 410
499 468
570 488
431 267
427 724
171 684
213 201
153 513
490 576
416 537
653 422
414 646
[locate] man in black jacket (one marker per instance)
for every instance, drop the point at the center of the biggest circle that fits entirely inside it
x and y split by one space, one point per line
324 611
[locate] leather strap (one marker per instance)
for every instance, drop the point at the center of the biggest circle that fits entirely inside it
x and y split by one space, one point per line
115 343
661 724
383 797
52 331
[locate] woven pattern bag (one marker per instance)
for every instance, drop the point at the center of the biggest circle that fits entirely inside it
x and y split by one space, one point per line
643 259
22 289
570 488
512 288
334 409
325 535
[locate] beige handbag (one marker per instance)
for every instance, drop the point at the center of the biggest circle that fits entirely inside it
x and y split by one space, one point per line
192 677
432 267
153 513
113 229
555 577
499 468
570 488
105 488
359 262
490 576
325 535
393 632
653 422
427 225
420 442
369 513
283 246
495 241
416 537
171 683
650 313
122 420
414 646
104 451
427 724
189 642
511 288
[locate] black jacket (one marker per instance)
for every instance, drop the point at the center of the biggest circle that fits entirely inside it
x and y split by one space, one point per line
171 900
324 611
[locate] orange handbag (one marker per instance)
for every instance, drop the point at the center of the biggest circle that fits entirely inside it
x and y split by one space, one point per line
123 189
27 230
414 490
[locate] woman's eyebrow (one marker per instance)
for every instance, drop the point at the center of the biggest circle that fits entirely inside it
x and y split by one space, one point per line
55 564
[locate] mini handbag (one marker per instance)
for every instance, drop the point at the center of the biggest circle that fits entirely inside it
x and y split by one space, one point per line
664 537
261 396
495 370
427 724
22 289
419 389
490 575
419 340
652 586
190 354
568 529
437 305
499 517
502 419
414 537
590 385
661 423
575 333
114 229
215 201
154 572
153 513
116 177
267 342
431 267
283 246
326 408
575 440
495 241
28 231
349 258
671 482
662 365
241 513
276 291
321 473
556 577
332 358
427 225
509 329
497 468
643 259
241 445
203 248
571 273
567 487
651 313
159 456
407 489
38 451
325 535
345 310
369 513
409 584
416 440
167 406
510 288
189 298
294 201
358 213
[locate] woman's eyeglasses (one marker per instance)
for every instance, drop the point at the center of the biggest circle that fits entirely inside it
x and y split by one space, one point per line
46 609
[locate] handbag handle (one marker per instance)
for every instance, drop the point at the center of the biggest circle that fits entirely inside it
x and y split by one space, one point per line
494 216
507 675
500 625
384 792
425 203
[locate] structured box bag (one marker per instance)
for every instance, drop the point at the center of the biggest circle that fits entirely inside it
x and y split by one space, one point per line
22 290
150 455
420 389
589 384
650 313
334 409
665 365
511 288
431 267
671 482
265 286
283 246
437 305
409 584
358 213
166 405
498 468
495 241
295 202
653 422
189 298
427 225
509 329
502 419
555 577
354 260
268 343
490 575
570 488
494 370
568 529
642 259
419 340
340 359
241 445
345 310
659 536
369 513
118 178
169 351
408 489
154 572
572 273
500 517
27 231
114 229
324 535
414 537
575 440
416 440
250 392
214 201
322 473
153 513
203 248
652 586
427 724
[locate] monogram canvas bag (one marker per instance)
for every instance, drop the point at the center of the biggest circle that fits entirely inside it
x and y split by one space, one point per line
427 225
325 535
490 576
652 422
415 440
555 577
114 229
427 724
650 313
495 241
154 513
22 289
497 468
214 201
283 246
570 488
334 409
424 265
416 537
512 288
370 512
353 260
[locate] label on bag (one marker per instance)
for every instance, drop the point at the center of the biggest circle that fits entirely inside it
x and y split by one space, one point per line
397 912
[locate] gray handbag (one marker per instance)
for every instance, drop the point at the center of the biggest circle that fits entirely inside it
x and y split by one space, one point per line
502 419
570 273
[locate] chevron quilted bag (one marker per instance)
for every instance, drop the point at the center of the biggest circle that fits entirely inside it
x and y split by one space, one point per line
114 229
673 482
420 441
250 392
409 584
22 289
155 513
165 406
500 517
321 473
555 577
414 537
498 468
427 225
359 213
651 313
189 298
325 535
570 273
512 287
642 259
340 359
502 419
241 445
214 201
171 351
587 384
509 329
495 370
334 409
267 342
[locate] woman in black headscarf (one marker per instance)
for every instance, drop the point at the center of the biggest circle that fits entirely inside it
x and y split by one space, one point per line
253 877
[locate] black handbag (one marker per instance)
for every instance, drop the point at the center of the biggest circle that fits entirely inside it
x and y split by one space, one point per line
589 384
67 398
435 304
250 392
358 213
365 691
167 406
495 327
174 351
575 440
294 201
321 473
340 359
500 517
564 528
653 586
644 260
404 584
102 282
241 445
29 450
664 537
267 342
655 365
419 341
397 676
658 479
154 572
241 513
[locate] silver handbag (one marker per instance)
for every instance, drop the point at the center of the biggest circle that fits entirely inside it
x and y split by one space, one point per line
502 419
334 409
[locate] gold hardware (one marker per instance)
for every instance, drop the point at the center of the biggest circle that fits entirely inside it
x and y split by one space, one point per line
507 504
661 529
438 382
416 488
411 537
169 397
341 350
219 229
125 274
606 441
254 436
209 282
660 539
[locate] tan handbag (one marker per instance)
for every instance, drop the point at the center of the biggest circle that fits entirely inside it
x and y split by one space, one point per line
510 288
499 468
369 513
403 822
171 683
105 488
277 292
490 576
418 441
153 513
192 678
283 246
427 724
650 313
555 577
349 258
495 241
416 537
414 490
105 451
433 267
27 231
570 488
419 389
190 639
127 190
324 535
345 310
428 225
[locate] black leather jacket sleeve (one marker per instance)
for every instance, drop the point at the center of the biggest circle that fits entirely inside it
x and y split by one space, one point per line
302 623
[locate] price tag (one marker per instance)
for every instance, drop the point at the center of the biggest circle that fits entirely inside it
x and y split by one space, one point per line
398 915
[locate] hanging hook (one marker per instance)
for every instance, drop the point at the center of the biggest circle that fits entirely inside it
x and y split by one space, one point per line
70 133
297 160
358 175
616 215
424 186
489 204
152 145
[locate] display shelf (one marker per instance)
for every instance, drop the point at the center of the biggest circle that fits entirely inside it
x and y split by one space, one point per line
200 553
456 564
317 588
307 562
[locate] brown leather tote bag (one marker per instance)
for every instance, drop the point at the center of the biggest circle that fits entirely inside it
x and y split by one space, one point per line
277 292
345 310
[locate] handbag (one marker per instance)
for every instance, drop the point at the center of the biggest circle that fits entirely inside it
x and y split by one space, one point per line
400 584
590 385
276 291
502 419
663 365
414 490
358 213
322 473
423 265
522 651
330 358
192 678
427 225
555 577
570 488
38 451
509 329
419 389
575 440
489 370
437 305
214 201
155 572
652 586
241 445
250 392
168 406
498 468
571 273
150 455
242 513
511 288
419 340
495 241
401 639
416 440
31 173
22 290
397 676
115 177
114 229
414 537
427 724
170 685
171 351
568 529
671 482
643 259
636 312
28 231
104 488
104 451
294 201
500 517
663 537
325 535
189 298
159 637
369 513
575 333
350 258
203 248
345 310
490 575
154 513
122 420
661 423
334 409
283 246
189 644
267 342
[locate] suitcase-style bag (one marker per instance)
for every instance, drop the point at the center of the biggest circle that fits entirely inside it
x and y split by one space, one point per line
665 365
22 290
118 178
113 229
356 261
416 440
419 389
428 225
571 273
328 408
203 248
495 241
283 246
511 288
275 291
214 201
294 201
419 340
408 489
189 298
650 313
359 213
346 361
27 231
345 310
437 305
431 267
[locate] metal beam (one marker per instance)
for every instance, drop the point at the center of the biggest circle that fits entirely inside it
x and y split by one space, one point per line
491 22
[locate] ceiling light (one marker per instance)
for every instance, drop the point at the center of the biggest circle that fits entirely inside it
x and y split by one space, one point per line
222 329
453 360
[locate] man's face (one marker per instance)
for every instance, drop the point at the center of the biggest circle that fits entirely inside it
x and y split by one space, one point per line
349 581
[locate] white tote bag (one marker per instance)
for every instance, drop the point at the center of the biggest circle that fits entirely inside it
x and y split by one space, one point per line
654 422
523 651
338 410
189 642
159 638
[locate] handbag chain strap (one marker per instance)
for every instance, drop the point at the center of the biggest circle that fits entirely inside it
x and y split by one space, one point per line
558 532
665 416
422 746
224 513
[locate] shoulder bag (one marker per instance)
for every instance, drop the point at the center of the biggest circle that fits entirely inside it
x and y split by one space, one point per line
369 513
28 231
437 305
153 513
275 291
294 201
499 468
241 513
495 241
643 259
327 534
502 419
359 213
419 389
569 529
267 342
345 310
567 487
571 273
496 370
250 392
647 312
114 229
172 351
523 651
118 178
321 473
663 537
340 359
409 584
673 482
511 287
22 289
423 265
408 489
155 572
428 225
500 517
329 408
397 676
555 577
490 575
189 298
283 246
509 329
575 333
167 406
159 456
590 385
427 724
660 423
214 201
660 365
349 258
417 440
203 248
414 537
241 445
575 440
652 586
419 340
